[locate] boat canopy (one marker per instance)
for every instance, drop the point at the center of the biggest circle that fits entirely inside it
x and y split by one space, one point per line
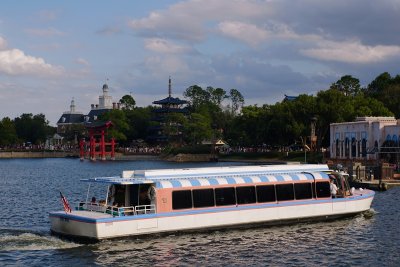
180 182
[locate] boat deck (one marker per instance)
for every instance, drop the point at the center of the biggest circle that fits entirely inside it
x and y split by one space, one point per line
85 214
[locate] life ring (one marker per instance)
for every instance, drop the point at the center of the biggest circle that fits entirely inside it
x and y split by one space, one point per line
151 193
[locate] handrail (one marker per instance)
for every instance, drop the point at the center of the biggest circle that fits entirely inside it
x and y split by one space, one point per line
117 211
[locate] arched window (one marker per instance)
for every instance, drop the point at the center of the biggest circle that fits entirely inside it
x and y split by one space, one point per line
353 147
395 140
337 148
347 147
364 147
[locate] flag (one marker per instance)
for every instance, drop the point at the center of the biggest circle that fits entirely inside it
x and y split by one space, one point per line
65 203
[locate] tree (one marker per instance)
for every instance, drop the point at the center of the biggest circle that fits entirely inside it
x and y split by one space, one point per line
197 96
8 134
348 85
237 100
120 124
379 84
387 90
33 129
138 120
197 129
127 102
216 95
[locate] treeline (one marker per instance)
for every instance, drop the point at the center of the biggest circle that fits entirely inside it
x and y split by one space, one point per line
26 128
216 113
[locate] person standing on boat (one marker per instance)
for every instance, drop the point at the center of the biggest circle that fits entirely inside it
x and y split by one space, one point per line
333 187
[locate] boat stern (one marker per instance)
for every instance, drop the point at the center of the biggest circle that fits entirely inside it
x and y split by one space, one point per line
73 224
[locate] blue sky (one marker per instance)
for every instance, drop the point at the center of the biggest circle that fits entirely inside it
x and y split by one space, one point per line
53 51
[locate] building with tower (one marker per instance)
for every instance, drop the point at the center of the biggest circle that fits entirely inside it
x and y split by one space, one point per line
70 118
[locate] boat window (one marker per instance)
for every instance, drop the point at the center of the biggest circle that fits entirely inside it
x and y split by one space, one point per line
323 189
203 198
284 192
303 191
225 196
182 199
266 193
246 194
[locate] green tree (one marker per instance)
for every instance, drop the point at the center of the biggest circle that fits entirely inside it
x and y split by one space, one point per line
217 95
127 102
120 124
196 96
8 134
348 85
237 100
387 90
139 121
197 129
33 129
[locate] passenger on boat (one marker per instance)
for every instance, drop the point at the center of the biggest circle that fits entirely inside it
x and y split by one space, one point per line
333 187
93 200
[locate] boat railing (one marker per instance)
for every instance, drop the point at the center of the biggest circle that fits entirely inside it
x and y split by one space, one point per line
145 209
89 206
117 211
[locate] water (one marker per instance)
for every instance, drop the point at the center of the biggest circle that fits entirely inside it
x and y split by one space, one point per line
29 189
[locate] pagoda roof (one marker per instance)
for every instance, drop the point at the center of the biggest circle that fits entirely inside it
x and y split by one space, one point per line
170 100
170 110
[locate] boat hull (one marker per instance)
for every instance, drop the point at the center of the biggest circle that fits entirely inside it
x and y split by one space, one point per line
84 225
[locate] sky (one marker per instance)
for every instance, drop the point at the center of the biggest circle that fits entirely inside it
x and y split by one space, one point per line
54 51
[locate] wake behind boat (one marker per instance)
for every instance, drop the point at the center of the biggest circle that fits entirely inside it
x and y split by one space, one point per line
154 201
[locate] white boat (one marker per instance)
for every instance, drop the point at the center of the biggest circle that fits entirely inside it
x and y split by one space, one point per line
155 201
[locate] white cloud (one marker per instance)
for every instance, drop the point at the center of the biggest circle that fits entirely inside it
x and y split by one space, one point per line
82 61
15 62
163 46
189 20
245 32
167 64
351 51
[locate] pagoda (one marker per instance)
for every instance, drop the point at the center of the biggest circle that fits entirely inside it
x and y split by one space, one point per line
164 128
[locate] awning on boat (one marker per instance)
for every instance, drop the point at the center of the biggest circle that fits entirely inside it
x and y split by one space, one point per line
233 180
177 183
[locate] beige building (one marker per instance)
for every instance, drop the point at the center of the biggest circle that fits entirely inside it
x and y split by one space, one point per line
365 138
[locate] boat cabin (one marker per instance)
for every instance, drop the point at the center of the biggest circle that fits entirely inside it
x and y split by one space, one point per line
163 191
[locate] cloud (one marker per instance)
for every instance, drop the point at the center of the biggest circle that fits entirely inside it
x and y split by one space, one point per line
192 20
164 46
245 32
109 31
45 32
15 62
82 61
351 51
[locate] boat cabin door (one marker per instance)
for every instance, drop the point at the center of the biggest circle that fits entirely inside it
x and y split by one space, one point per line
142 194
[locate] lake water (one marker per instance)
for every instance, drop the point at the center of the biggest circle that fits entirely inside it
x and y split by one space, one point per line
29 189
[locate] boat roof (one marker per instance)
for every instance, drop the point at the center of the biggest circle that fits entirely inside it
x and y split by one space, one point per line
176 178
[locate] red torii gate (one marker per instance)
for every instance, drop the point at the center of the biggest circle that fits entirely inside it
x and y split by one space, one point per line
97 129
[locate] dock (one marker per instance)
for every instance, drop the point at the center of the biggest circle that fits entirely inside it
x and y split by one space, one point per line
377 185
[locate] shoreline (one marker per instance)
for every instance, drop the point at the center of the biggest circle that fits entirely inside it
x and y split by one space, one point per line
123 157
